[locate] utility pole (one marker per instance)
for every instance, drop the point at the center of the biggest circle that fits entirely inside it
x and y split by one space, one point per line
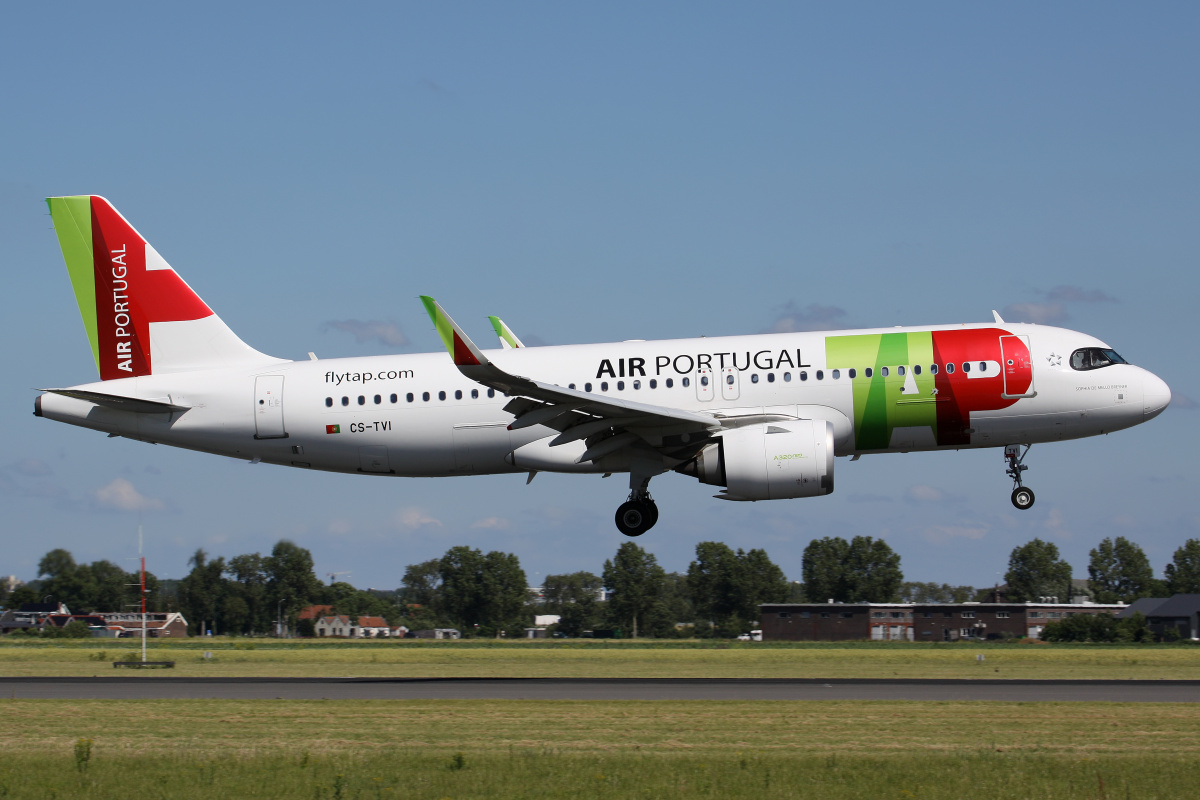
142 582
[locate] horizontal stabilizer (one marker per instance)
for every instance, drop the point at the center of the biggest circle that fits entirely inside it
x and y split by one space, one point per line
118 403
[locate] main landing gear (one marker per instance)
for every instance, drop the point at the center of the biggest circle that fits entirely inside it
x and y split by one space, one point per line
1022 496
639 513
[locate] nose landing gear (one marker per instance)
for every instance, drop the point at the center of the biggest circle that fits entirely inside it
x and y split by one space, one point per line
1022 496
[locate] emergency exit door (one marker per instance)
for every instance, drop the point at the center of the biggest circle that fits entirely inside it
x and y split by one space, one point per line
268 407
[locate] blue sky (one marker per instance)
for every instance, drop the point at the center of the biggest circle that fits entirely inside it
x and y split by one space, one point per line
596 173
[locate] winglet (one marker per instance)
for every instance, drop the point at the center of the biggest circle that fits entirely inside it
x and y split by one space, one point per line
461 348
508 339
996 314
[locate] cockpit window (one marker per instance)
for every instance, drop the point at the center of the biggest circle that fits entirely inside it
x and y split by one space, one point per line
1094 358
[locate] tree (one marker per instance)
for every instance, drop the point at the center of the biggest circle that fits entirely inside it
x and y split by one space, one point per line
422 584
1035 570
1183 573
863 570
201 592
872 571
249 573
822 567
291 582
575 597
917 592
489 591
636 581
1119 572
730 586
717 581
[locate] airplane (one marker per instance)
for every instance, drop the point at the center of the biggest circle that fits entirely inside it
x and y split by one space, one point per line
762 416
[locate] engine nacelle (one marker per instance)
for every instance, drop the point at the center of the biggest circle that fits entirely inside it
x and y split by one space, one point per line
771 461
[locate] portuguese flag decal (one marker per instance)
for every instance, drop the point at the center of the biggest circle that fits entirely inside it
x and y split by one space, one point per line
333 428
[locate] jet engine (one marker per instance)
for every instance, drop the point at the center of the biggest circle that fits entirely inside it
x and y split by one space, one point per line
770 461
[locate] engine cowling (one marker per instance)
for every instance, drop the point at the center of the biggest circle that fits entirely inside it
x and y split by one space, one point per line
770 461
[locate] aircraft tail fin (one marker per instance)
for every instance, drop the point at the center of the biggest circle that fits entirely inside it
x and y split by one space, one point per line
140 316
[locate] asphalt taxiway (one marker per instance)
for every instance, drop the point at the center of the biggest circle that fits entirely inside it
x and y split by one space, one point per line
162 687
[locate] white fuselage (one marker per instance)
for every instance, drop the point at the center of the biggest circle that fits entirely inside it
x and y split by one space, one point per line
416 415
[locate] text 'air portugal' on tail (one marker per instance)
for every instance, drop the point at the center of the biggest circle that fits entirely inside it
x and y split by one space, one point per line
141 318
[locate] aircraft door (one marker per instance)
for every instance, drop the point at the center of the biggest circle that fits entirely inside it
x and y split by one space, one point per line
1017 367
730 387
704 383
268 407
374 459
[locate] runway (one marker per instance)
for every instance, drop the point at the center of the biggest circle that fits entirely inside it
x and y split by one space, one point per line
159 687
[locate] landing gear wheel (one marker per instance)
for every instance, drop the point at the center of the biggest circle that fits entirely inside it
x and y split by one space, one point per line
1022 497
635 517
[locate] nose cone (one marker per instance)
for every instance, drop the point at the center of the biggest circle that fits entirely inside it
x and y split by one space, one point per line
1157 395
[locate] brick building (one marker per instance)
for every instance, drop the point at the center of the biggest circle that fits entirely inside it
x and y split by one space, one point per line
921 622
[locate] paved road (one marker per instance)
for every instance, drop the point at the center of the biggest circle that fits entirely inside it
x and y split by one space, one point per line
157 686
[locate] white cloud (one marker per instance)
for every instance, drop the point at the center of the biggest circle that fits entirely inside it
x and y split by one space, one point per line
924 494
491 522
1037 313
1056 523
370 330
120 495
413 518
339 527
944 533
813 317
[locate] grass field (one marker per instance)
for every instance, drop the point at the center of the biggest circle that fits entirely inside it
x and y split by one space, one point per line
549 749
270 658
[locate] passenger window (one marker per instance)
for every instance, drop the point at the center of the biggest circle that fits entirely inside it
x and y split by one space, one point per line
820 374
837 373
966 366
852 373
378 399
671 383
620 386
425 396
409 397
729 380
916 369
653 383
570 386
803 375
393 398
704 380
753 378
604 386
345 401
458 394
362 401
983 366
900 371
491 392
475 393
949 369
868 372
883 371
770 377
637 384
685 382
587 387
441 395
787 377
933 369
329 402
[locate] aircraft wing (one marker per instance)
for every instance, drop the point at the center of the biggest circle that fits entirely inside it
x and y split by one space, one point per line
607 423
